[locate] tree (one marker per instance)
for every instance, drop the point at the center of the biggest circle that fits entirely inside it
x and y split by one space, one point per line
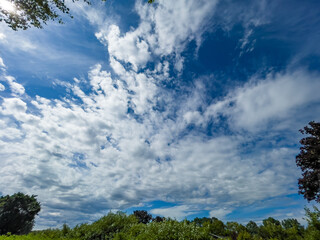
22 14
271 229
313 219
309 161
143 216
215 226
199 221
17 213
291 223
252 227
158 219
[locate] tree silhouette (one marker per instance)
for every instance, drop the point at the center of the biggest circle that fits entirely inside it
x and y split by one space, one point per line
143 216
309 161
17 213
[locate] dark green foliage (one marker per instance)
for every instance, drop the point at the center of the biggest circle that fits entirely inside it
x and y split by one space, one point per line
271 228
158 219
105 228
313 219
50 234
17 213
215 226
200 221
119 226
142 216
35 13
169 229
252 228
233 229
65 230
309 161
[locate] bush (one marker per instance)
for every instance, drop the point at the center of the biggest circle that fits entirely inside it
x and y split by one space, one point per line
17 213
169 229
105 228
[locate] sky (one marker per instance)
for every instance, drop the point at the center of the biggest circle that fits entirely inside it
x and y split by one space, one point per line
186 108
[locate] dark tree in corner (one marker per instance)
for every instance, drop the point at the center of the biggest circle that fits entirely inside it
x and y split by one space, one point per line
142 216
17 213
309 161
22 14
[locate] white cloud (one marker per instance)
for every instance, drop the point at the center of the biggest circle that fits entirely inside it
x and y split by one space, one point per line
2 88
220 213
130 157
15 87
165 29
1 61
2 36
129 48
177 212
259 102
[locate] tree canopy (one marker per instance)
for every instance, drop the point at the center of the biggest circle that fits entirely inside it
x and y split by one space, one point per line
120 226
22 14
142 216
309 161
17 213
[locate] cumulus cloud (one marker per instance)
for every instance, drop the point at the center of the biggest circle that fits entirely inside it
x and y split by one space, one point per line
261 101
111 149
15 87
165 29
2 88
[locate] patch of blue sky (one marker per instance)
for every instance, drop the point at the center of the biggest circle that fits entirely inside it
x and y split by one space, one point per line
151 205
59 52
78 161
290 206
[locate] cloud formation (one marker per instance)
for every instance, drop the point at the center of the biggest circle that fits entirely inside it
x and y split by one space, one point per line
120 137
112 146
164 29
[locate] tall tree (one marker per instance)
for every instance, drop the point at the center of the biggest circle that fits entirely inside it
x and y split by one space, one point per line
309 161
17 213
143 216
22 14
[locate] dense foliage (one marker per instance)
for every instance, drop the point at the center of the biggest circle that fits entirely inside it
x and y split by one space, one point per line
309 161
119 226
143 216
17 213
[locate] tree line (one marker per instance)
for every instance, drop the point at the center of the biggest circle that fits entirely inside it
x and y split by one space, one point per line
141 226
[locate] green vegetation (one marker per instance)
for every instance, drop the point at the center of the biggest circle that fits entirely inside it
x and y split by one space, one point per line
17 213
309 161
120 226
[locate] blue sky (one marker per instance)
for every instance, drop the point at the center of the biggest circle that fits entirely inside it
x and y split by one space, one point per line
183 108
